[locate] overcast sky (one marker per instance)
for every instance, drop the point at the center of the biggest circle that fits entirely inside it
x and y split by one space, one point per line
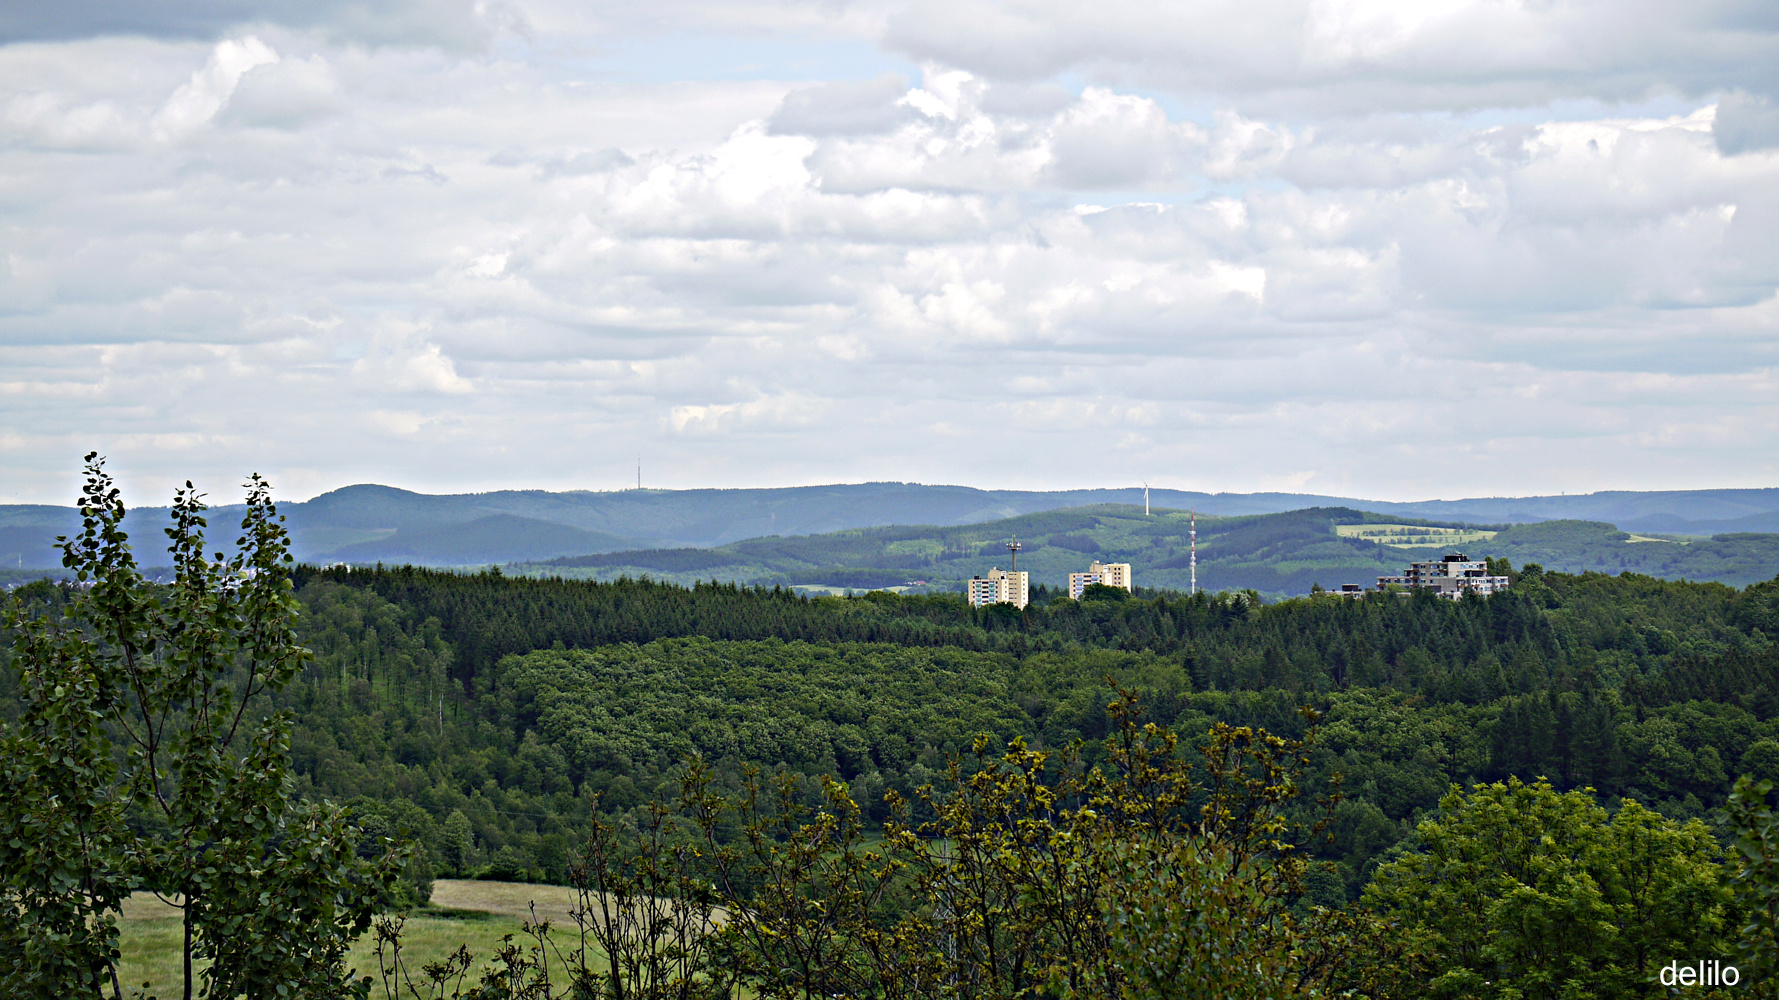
1396 249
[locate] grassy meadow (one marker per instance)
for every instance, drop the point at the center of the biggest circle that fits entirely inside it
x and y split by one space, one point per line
1413 536
475 915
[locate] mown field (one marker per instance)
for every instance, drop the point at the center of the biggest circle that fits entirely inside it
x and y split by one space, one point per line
1409 536
463 913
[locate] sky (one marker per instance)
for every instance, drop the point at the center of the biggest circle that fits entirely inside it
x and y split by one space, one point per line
1391 249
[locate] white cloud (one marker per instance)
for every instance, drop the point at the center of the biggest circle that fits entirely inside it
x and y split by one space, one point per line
398 359
785 412
286 93
456 267
1346 56
201 97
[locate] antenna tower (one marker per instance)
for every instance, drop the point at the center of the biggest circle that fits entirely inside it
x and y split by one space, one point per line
1195 552
1013 548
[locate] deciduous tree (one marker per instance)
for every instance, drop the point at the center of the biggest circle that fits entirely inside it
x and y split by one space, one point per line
1526 892
141 762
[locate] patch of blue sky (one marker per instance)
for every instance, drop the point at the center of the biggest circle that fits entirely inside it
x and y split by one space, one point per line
684 58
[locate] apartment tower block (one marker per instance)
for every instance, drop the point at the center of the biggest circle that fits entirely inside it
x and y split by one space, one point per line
999 587
1108 574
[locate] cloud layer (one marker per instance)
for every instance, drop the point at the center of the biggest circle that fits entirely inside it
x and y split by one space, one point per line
1391 250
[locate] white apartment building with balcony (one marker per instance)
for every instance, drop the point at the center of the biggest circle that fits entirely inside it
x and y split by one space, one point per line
1451 577
999 587
1107 574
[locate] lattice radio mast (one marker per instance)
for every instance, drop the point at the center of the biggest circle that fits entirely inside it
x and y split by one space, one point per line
1195 552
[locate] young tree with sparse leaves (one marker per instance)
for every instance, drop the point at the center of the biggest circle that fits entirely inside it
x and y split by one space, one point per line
142 762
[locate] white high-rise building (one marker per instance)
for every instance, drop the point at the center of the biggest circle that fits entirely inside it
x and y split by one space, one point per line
1108 574
999 587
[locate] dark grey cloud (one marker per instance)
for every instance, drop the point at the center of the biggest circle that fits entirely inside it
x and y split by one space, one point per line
61 20
454 24
1745 123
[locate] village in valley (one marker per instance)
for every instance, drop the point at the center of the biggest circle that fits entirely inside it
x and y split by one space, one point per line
1451 577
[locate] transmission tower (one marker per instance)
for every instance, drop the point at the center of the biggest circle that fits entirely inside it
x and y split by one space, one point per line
1195 552
1013 548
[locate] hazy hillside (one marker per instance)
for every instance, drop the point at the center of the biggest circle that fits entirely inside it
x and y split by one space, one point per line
1276 554
369 523
1689 512
28 532
495 538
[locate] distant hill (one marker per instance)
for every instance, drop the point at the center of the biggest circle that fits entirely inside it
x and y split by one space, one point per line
367 523
1735 558
1276 554
1685 512
492 539
28 533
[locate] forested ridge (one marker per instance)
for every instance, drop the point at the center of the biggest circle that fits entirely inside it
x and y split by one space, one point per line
481 712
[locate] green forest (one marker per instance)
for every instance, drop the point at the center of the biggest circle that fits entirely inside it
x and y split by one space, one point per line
511 700
493 721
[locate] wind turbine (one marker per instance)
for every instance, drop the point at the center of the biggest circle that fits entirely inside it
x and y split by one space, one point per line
1145 498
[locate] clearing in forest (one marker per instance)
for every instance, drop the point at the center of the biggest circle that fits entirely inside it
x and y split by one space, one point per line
1413 536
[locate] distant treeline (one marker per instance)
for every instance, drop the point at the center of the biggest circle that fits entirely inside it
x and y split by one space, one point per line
1563 623
664 560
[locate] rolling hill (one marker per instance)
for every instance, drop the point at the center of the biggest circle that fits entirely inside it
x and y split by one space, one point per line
369 523
1735 558
1276 554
